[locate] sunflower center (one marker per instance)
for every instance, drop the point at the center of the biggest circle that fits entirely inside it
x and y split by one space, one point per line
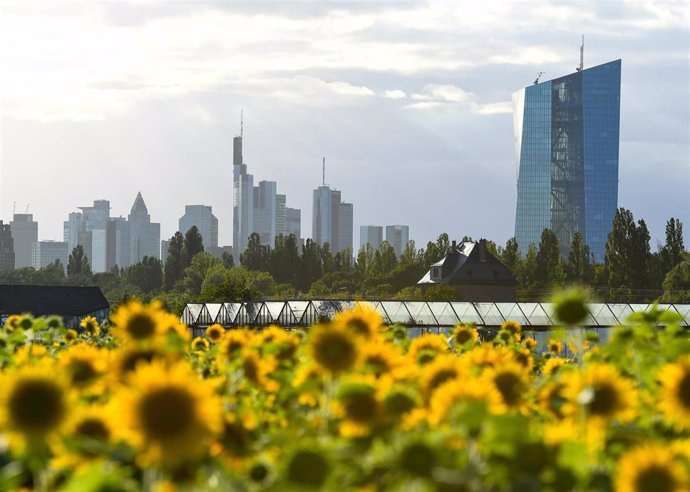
361 407
441 377
359 326
462 337
604 400
684 390
141 326
655 479
399 403
36 406
336 352
167 413
93 428
131 360
378 364
508 384
82 372
251 370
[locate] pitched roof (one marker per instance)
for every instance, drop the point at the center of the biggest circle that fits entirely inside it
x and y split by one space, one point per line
139 206
41 300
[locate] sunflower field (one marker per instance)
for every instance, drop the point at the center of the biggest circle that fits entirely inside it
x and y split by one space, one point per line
349 405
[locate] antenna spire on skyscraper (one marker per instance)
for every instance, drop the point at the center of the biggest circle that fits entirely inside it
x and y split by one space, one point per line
241 122
323 176
582 55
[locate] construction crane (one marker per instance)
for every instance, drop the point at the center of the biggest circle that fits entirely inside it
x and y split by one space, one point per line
539 74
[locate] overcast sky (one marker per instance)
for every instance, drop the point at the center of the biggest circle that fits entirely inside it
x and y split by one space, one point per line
408 101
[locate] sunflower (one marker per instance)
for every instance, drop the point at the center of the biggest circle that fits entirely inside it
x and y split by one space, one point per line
602 391
363 320
650 468
512 382
309 382
551 398
512 327
277 342
139 323
384 359
555 347
552 365
33 402
455 394
233 342
442 369
172 326
334 347
12 322
674 395
256 370
70 335
359 405
83 364
200 344
465 335
215 332
423 349
130 357
485 356
530 343
524 357
87 434
90 326
169 414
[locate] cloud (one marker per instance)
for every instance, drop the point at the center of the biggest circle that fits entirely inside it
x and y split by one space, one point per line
447 95
394 94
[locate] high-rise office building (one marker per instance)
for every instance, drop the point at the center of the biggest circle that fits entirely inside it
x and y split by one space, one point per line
202 217
24 234
398 236
44 253
6 248
293 222
566 151
144 235
370 234
119 243
242 200
265 211
331 219
89 228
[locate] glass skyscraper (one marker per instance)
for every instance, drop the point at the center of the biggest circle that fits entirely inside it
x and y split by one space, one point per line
566 151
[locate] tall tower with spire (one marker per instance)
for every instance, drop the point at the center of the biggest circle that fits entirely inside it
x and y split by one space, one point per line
242 197
145 236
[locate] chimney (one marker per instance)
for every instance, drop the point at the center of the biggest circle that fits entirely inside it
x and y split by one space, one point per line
482 250
453 247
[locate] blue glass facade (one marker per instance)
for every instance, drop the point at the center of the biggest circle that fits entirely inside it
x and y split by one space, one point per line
566 148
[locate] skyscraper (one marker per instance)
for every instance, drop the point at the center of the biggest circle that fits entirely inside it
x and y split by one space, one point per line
89 228
370 234
242 200
24 234
566 151
144 235
397 236
202 217
6 248
265 211
44 253
331 219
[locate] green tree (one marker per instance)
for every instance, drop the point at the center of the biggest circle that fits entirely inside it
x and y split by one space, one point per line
579 266
53 274
310 265
256 256
78 263
147 275
431 254
227 259
193 245
385 259
443 245
511 257
409 254
284 259
195 273
326 259
673 249
677 282
228 284
627 252
550 268
175 262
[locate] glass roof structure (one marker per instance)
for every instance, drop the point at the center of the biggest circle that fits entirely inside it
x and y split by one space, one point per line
419 314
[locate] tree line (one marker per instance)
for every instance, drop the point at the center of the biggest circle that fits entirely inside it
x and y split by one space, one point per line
630 272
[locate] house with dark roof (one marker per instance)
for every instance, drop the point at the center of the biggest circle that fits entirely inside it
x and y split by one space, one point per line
474 272
69 302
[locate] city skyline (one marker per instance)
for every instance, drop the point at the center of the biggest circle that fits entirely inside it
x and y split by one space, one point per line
414 96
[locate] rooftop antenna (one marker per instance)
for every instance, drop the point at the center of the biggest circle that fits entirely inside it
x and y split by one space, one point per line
539 74
323 175
241 122
582 55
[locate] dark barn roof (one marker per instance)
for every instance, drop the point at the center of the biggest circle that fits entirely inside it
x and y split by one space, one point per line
41 300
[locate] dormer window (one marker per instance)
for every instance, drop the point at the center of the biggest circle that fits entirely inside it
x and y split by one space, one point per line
436 272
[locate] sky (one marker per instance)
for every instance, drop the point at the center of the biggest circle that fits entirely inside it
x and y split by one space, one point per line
409 102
